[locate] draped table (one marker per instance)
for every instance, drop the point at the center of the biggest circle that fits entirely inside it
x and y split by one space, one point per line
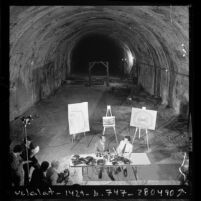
137 159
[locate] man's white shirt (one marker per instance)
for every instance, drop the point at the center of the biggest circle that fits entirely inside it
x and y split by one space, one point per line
128 149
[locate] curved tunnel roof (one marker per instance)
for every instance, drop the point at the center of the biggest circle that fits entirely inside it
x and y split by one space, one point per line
46 29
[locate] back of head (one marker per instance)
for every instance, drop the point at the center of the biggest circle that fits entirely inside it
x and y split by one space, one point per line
128 138
55 164
103 138
17 149
44 165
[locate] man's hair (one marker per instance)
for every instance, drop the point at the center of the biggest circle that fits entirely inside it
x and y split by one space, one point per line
128 137
55 164
17 149
44 165
102 136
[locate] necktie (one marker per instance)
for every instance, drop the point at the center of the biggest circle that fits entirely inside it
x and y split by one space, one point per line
123 150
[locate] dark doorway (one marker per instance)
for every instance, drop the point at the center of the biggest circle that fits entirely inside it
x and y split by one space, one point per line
97 47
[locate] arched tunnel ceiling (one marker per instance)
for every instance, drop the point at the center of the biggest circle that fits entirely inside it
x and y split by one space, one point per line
46 28
42 34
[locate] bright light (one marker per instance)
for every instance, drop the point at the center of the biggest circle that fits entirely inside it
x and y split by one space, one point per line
130 58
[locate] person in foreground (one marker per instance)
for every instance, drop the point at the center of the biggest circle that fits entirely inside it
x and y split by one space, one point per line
28 152
16 165
124 149
38 177
102 147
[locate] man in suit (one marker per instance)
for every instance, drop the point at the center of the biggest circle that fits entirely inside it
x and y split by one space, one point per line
124 149
29 149
100 148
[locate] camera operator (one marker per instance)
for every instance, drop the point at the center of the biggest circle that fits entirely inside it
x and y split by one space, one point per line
28 153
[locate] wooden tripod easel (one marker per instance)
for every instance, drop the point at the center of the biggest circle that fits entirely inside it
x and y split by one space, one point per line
109 121
74 136
139 129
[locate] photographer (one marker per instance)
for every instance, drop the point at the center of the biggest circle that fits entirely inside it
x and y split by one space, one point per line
28 152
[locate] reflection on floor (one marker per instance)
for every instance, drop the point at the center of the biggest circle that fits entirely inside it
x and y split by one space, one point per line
49 130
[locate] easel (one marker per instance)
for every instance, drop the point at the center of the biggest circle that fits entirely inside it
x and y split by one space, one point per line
78 119
108 117
73 136
139 129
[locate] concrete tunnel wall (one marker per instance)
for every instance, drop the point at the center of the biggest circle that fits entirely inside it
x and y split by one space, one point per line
42 39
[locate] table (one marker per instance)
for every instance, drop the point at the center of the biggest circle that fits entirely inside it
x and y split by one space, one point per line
137 159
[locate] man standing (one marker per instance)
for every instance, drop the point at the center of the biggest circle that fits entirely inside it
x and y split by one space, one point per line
16 164
125 149
100 148
28 152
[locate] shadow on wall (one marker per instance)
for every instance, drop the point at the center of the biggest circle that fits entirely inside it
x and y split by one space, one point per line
44 82
20 99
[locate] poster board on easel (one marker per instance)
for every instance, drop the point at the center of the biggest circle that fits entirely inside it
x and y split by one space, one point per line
78 118
143 118
109 121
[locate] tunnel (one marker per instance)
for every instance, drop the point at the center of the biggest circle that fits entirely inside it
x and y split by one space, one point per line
123 56
44 42
97 48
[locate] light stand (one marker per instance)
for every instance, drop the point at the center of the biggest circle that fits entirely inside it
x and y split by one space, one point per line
26 121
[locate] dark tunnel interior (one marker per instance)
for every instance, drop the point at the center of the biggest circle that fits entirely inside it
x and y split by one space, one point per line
97 47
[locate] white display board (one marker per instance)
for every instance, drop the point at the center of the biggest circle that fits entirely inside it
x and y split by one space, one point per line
142 118
109 121
78 118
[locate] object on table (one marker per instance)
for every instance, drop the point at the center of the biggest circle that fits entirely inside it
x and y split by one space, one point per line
75 156
88 160
100 162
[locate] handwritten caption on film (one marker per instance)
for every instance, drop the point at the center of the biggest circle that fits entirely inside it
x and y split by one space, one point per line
173 192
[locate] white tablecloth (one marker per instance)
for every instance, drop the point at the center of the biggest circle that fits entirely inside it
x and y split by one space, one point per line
136 159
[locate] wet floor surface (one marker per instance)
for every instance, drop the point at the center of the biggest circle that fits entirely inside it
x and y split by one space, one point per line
50 131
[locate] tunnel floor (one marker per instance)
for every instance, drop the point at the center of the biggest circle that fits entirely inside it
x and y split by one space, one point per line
49 130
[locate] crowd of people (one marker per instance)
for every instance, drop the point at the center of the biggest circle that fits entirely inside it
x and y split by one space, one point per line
23 158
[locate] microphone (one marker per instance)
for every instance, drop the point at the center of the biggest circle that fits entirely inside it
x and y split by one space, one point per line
27 119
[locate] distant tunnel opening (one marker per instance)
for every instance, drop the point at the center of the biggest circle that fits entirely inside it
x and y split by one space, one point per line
97 47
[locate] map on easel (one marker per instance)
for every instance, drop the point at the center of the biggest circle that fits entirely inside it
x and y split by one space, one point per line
143 118
109 121
78 118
